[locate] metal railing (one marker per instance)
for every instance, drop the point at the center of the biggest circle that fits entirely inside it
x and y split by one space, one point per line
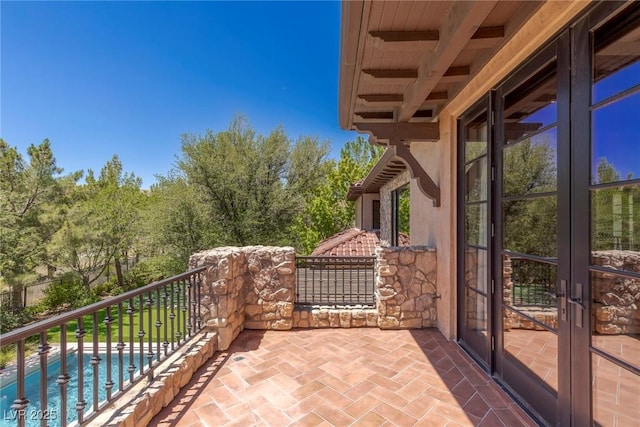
335 280
534 283
104 349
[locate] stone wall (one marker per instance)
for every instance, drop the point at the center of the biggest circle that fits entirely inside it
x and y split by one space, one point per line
616 299
250 287
320 316
147 398
511 320
254 287
406 290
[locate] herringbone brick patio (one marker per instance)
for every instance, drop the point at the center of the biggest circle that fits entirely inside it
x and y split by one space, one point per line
342 377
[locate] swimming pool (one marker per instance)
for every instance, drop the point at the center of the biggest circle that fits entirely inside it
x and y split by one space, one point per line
34 412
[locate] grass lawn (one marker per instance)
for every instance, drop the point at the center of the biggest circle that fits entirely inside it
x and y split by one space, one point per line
8 353
54 333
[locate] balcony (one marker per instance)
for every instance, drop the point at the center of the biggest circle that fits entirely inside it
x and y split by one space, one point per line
341 377
226 344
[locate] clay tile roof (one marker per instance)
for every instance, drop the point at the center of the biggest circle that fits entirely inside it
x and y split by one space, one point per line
353 242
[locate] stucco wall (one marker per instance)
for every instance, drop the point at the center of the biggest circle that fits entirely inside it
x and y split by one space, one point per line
364 211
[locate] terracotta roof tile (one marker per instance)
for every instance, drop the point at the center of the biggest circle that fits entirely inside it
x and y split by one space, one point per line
353 242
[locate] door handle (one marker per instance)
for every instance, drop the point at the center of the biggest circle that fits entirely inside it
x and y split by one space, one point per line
578 303
562 294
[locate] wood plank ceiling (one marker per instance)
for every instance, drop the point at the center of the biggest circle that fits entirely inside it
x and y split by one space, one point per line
403 61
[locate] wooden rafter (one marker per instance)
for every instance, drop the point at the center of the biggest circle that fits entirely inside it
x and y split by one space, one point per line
375 115
406 36
401 75
459 26
402 131
518 130
381 100
393 100
484 37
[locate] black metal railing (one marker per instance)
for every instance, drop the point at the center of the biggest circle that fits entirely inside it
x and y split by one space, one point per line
104 349
534 283
335 280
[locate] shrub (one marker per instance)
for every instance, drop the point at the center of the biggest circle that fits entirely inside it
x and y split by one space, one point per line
67 292
143 273
109 287
10 318
153 269
7 356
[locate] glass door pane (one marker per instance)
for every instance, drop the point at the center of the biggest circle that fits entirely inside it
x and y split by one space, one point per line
528 218
615 225
474 289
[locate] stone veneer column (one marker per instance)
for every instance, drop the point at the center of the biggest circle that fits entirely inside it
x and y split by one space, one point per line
406 287
252 287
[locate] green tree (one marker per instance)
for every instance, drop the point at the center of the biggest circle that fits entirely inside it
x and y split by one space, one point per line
253 185
175 220
530 224
329 211
100 227
404 208
31 202
613 211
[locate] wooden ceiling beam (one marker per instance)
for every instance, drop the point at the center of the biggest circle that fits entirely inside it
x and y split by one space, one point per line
485 38
406 36
404 40
461 23
437 96
395 99
514 131
381 100
384 116
392 75
456 74
402 131
423 114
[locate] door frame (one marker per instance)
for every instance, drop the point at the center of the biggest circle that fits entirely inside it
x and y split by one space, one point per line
472 342
572 49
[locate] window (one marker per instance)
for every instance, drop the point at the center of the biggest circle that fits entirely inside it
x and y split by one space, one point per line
376 214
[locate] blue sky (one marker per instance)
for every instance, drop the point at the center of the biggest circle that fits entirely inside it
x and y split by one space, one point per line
128 78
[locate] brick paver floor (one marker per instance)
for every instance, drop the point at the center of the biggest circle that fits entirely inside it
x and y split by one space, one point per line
341 377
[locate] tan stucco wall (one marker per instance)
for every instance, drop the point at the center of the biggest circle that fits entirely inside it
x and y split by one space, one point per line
436 227
364 210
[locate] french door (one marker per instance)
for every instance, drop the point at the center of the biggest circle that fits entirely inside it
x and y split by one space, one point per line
549 196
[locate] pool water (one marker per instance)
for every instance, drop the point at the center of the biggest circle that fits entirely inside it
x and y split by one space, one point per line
34 412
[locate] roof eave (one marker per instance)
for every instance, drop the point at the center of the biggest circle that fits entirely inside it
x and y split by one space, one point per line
351 21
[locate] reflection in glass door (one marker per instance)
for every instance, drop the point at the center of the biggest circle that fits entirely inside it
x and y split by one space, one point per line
549 202
473 292
614 196
527 243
